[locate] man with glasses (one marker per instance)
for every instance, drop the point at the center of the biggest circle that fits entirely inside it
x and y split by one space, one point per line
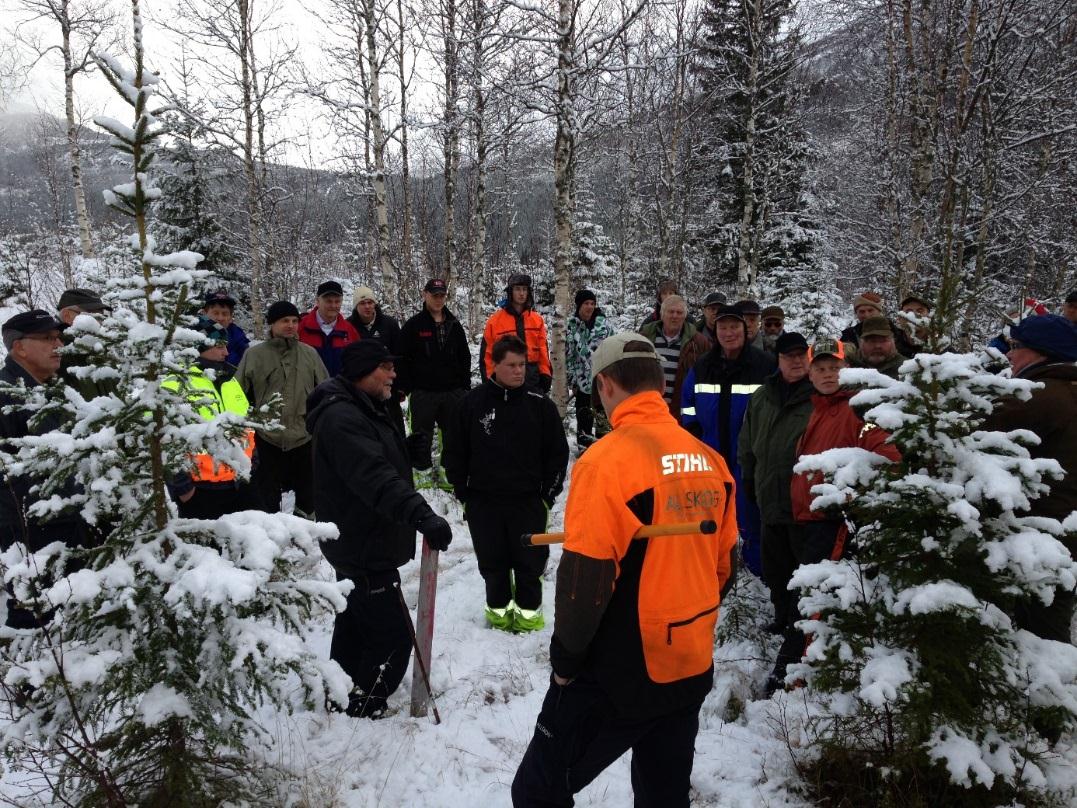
363 484
32 339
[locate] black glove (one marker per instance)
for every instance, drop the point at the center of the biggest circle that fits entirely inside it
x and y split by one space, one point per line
545 383
419 445
436 531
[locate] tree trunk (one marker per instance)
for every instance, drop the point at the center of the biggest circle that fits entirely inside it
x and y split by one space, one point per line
451 133
563 167
377 181
82 215
405 161
250 169
478 113
746 280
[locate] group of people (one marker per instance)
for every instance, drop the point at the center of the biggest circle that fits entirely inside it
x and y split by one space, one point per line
703 421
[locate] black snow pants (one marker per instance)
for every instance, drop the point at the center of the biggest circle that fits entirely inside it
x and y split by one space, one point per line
372 640
780 558
817 543
430 409
579 734
496 522
281 470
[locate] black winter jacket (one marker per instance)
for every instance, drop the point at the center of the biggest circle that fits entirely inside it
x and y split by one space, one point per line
362 481
506 442
427 365
383 329
15 497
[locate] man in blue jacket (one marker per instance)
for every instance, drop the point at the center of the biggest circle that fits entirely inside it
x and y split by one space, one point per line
714 399
220 307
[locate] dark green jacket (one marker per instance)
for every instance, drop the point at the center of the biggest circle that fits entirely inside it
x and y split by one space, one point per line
768 443
290 368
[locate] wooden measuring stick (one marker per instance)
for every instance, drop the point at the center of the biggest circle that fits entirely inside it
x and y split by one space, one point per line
647 531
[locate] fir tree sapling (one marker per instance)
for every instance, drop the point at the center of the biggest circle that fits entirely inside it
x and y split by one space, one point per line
915 662
161 641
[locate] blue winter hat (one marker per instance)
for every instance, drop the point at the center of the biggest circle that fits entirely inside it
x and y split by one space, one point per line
1048 334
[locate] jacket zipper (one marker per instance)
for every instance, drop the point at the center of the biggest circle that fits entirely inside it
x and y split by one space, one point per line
682 623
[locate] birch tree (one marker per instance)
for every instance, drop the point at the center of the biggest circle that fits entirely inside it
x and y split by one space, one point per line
241 66
76 28
578 42
358 59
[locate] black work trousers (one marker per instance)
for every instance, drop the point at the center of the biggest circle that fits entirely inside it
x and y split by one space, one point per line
1047 622
579 734
496 523
780 558
281 470
372 639
430 409
214 500
817 543
585 418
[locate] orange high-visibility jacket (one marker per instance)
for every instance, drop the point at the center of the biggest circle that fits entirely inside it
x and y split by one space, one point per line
529 326
639 615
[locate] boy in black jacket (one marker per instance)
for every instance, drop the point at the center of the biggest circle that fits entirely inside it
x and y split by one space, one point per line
506 458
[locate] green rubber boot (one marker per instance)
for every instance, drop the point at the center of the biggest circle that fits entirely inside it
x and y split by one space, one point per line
527 619
501 619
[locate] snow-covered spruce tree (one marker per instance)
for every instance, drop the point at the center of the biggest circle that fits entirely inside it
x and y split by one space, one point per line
161 640
928 693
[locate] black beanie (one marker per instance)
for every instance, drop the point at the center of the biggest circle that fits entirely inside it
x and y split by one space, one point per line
282 308
583 296
359 359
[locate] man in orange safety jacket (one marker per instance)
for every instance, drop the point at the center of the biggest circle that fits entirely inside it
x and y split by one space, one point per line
518 318
634 624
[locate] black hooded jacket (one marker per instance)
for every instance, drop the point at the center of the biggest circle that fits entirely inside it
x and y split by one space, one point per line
383 329
362 481
506 441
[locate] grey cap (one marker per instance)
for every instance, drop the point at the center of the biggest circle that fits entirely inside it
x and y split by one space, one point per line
612 349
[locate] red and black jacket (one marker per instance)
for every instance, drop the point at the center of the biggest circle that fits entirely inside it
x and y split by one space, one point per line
428 365
329 346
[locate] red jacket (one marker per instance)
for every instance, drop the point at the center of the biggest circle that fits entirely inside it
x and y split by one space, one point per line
329 346
833 425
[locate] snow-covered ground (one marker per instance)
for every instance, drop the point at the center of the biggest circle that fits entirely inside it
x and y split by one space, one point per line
489 687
